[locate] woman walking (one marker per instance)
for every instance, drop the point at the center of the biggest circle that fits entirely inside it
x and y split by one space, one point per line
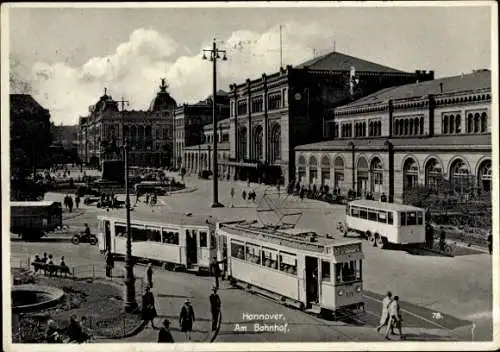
186 319
148 308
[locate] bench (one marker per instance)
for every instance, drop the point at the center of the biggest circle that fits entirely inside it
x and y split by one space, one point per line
51 269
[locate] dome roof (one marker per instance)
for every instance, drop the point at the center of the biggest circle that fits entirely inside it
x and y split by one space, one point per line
105 102
163 100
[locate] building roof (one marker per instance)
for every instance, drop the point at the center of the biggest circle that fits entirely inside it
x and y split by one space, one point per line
163 100
336 61
24 103
476 80
424 142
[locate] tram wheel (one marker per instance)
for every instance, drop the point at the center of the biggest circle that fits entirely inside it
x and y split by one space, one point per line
381 242
448 250
371 239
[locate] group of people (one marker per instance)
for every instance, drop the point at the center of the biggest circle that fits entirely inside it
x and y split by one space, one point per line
251 195
77 331
68 202
150 198
391 316
49 260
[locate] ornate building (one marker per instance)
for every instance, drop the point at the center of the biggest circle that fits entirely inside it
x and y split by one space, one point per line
190 121
418 133
272 115
149 133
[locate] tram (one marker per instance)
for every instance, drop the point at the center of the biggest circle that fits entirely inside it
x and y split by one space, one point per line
176 241
299 268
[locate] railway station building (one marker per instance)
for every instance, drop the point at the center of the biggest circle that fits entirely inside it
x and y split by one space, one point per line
398 137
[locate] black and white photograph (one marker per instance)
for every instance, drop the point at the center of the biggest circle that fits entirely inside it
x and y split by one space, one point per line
246 176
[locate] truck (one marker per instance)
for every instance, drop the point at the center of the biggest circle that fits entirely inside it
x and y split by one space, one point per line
34 219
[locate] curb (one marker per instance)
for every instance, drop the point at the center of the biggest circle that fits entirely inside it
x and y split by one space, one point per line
49 239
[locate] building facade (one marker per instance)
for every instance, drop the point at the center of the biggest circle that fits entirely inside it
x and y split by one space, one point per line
149 133
399 137
190 120
272 115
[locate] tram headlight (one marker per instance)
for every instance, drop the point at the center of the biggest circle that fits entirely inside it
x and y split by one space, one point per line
358 289
340 292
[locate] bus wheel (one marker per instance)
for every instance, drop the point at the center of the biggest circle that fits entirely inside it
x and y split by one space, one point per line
371 239
380 241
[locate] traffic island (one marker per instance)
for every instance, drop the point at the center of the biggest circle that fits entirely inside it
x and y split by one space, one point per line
100 302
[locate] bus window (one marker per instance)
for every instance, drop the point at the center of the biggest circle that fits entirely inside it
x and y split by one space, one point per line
390 218
402 219
253 253
382 217
355 212
270 258
325 270
363 213
420 218
237 250
372 216
203 239
288 263
411 218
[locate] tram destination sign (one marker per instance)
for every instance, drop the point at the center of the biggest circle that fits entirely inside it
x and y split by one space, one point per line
347 249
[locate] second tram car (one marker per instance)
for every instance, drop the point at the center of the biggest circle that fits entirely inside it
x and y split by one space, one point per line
173 240
302 269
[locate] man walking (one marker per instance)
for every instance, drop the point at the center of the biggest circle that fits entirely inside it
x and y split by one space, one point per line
149 275
384 316
216 271
186 319
232 197
215 305
394 318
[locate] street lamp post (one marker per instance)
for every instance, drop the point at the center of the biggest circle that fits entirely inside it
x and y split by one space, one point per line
214 56
129 301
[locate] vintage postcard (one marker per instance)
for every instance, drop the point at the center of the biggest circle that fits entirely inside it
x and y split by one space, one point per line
250 176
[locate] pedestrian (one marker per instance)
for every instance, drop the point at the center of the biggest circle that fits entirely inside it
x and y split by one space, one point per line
244 195
186 319
383 198
216 271
64 269
232 196
215 307
429 235
70 203
149 275
110 263
77 201
148 308
50 265
164 335
490 243
384 316
394 318
147 198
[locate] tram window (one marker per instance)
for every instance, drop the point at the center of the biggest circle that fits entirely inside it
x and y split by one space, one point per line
325 270
390 218
253 253
420 218
170 237
411 218
153 235
213 240
382 217
349 271
402 219
288 263
237 250
120 231
139 235
203 240
372 216
355 212
269 258
347 210
363 213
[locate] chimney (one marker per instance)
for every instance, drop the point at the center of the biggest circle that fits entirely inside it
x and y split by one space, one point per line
441 87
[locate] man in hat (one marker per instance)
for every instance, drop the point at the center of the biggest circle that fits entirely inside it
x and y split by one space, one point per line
164 334
186 319
215 271
215 305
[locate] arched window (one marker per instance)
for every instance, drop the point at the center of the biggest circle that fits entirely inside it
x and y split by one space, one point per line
411 127
325 170
460 176
379 128
339 172
458 124
433 174
406 127
258 145
313 170
364 129
275 143
417 127
410 174
445 124
470 123
377 176
133 136
421 125
396 127
452 124
242 143
484 176
484 122
370 129
476 123
362 172
301 169
148 137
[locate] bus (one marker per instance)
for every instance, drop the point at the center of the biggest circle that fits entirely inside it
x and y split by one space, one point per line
295 267
175 241
33 219
386 223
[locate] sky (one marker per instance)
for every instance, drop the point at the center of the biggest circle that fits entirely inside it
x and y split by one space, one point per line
65 57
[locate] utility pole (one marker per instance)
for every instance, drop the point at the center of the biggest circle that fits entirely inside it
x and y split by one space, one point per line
214 56
130 303
281 46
